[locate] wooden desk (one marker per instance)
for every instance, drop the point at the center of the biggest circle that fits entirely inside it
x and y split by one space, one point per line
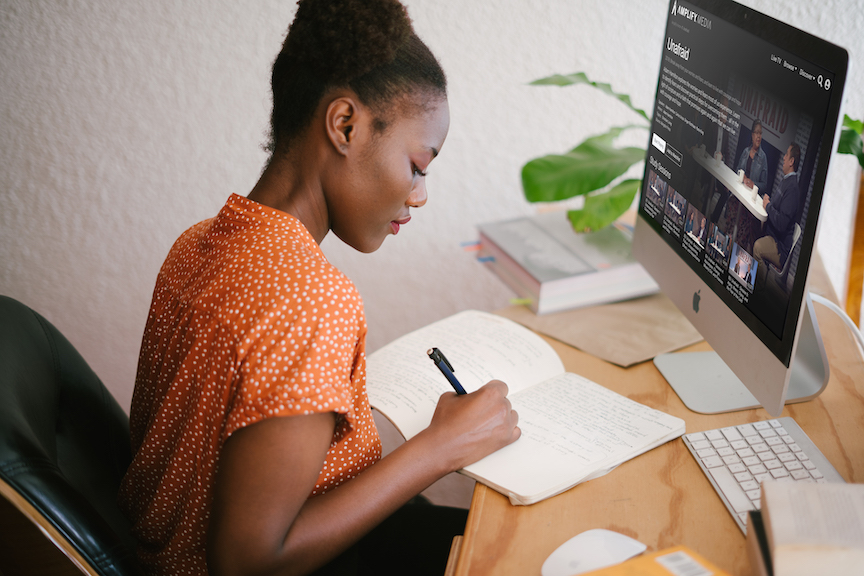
662 498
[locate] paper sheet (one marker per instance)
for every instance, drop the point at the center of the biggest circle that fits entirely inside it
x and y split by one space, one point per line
624 333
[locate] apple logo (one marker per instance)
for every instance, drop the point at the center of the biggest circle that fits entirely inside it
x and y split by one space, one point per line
696 298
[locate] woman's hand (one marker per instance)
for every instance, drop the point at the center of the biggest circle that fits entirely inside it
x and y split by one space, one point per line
471 426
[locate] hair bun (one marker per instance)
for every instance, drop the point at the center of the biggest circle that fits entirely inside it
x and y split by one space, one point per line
344 39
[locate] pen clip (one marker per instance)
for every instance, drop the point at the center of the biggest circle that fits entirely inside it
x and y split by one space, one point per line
437 356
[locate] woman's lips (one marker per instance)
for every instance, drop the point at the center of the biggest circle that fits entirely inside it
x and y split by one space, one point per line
396 224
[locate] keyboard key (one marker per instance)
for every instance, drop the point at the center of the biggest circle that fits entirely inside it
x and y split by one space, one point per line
735 468
794 447
730 489
751 460
817 474
773 464
733 459
695 437
746 430
706 453
793 465
775 423
787 457
761 477
700 444
751 485
739 444
745 452
774 441
800 475
713 462
765 456
782 450
720 444
779 473
758 469
743 476
781 431
761 447
714 435
754 494
769 433
731 434
728 451
761 426
754 439
808 465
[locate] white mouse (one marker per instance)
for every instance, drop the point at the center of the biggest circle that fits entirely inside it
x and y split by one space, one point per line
591 550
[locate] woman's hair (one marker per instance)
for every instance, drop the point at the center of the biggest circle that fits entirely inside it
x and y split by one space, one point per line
368 46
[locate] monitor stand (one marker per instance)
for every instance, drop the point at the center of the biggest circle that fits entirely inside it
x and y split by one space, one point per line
718 389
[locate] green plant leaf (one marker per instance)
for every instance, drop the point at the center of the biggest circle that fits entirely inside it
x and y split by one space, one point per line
850 143
852 124
581 78
592 165
602 209
850 139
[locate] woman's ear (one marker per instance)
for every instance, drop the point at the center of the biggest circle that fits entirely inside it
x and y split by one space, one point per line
341 120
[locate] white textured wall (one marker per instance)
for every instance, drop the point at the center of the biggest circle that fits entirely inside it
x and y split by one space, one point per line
122 123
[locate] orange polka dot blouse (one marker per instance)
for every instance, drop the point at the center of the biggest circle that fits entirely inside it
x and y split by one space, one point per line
248 321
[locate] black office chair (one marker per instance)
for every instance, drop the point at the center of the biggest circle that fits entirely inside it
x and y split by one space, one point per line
64 447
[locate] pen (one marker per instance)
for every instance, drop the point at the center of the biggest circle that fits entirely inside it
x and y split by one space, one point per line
444 366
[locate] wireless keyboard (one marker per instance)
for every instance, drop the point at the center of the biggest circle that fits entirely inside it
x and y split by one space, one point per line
736 460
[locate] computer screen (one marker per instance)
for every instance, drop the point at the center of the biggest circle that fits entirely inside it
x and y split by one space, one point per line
744 124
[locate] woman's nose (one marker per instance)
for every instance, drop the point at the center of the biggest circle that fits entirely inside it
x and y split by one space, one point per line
418 195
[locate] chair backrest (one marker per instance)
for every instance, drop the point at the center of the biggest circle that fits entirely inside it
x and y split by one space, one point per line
64 444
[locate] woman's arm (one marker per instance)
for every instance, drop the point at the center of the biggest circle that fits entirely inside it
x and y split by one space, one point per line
263 522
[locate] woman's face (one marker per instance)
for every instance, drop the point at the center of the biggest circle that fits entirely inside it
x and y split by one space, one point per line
756 136
388 177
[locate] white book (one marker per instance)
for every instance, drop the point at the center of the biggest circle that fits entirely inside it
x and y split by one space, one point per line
573 429
544 260
814 528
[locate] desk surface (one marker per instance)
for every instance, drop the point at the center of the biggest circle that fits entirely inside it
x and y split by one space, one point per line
662 498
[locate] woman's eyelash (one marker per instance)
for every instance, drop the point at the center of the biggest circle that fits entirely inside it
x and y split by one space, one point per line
418 171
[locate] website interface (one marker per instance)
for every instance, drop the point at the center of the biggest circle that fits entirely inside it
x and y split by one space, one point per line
729 177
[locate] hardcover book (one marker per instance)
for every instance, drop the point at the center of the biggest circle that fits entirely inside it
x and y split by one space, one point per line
543 260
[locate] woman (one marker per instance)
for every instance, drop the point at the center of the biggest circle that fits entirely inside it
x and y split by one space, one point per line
754 163
753 160
254 447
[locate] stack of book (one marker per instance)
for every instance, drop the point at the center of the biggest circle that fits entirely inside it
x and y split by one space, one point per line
805 529
545 262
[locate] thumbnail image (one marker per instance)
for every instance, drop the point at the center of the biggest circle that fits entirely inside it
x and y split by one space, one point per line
743 266
656 191
719 244
696 226
675 206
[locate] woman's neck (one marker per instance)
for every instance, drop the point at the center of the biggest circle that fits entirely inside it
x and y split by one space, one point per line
287 184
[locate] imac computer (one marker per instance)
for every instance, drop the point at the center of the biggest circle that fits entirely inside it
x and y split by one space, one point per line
745 121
